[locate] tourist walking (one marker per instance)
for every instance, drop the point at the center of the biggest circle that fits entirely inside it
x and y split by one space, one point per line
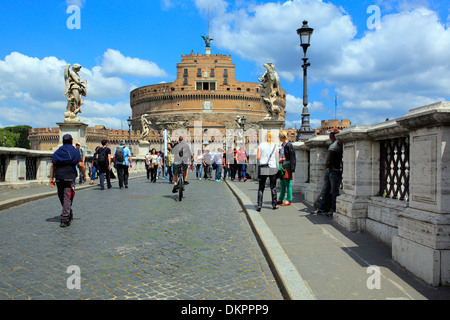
63 173
169 162
198 162
94 165
104 165
218 160
153 165
148 163
122 161
83 159
333 175
267 155
241 157
207 161
288 160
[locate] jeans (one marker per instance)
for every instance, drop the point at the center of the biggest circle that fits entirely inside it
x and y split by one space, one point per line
94 171
330 189
273 189
219 172
102 178
241 170
199 170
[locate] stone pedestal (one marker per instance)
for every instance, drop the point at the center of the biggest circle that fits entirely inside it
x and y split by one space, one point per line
78 132
271 124
144 147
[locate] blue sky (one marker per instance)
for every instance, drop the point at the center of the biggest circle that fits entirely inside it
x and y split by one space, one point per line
123 44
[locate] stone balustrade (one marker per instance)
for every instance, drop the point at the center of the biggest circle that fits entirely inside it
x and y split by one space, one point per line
21 167
395 185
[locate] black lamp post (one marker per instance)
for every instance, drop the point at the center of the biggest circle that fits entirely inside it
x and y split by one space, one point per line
130 122
305 132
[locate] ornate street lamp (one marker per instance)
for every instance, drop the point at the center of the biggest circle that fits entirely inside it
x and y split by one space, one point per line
130 122
305 132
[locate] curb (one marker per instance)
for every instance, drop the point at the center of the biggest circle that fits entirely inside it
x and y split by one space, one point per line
6 204
292 285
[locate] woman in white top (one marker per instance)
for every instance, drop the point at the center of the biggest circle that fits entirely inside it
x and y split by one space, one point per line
153 165
267 155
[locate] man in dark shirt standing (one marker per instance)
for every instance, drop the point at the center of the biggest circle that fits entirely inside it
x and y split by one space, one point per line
332 176
63 171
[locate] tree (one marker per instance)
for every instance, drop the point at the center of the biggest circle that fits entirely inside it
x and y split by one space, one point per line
8 139
21 134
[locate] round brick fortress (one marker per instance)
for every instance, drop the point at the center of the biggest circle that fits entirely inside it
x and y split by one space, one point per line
205 90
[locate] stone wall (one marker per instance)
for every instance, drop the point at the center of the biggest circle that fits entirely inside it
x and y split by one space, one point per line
404 200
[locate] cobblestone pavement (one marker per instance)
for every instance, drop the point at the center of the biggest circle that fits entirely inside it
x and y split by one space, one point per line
135 243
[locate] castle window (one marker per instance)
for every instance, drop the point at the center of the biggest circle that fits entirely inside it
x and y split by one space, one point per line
212 73
225 73
185 74
199 72
205 85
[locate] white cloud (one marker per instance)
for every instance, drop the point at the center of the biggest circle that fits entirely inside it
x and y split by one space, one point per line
115 63
79 3
31 89
385 72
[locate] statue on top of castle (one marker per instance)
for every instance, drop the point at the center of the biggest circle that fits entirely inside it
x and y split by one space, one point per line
207 41
75 90
270 90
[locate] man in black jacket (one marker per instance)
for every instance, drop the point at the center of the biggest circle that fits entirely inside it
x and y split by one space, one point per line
63 171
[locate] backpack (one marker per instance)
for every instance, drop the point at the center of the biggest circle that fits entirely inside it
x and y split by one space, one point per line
102 157
119 154
213 162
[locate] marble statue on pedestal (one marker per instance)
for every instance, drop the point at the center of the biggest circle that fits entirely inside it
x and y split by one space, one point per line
75 90
270 90
145 126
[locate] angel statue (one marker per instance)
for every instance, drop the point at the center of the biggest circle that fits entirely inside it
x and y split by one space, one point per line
75 90
145 124
207 41
270 90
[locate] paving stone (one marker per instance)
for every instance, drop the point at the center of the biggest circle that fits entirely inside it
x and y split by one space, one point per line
135 243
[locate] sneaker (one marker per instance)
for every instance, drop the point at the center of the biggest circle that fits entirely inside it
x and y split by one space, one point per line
239 180
186 182
318 211
245 179
175 189
64 224
330 213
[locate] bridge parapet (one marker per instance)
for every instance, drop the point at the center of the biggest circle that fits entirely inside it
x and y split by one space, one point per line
395 185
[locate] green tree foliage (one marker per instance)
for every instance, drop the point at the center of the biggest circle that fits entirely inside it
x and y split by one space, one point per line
15 136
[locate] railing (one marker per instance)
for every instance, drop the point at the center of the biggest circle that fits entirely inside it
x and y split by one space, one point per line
394 168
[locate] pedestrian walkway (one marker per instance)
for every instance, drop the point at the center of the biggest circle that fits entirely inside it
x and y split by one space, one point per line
314 258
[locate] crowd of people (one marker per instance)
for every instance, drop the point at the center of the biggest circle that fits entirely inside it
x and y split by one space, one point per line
275 161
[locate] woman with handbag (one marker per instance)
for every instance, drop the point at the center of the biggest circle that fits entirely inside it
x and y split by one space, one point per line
267 155
288 161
